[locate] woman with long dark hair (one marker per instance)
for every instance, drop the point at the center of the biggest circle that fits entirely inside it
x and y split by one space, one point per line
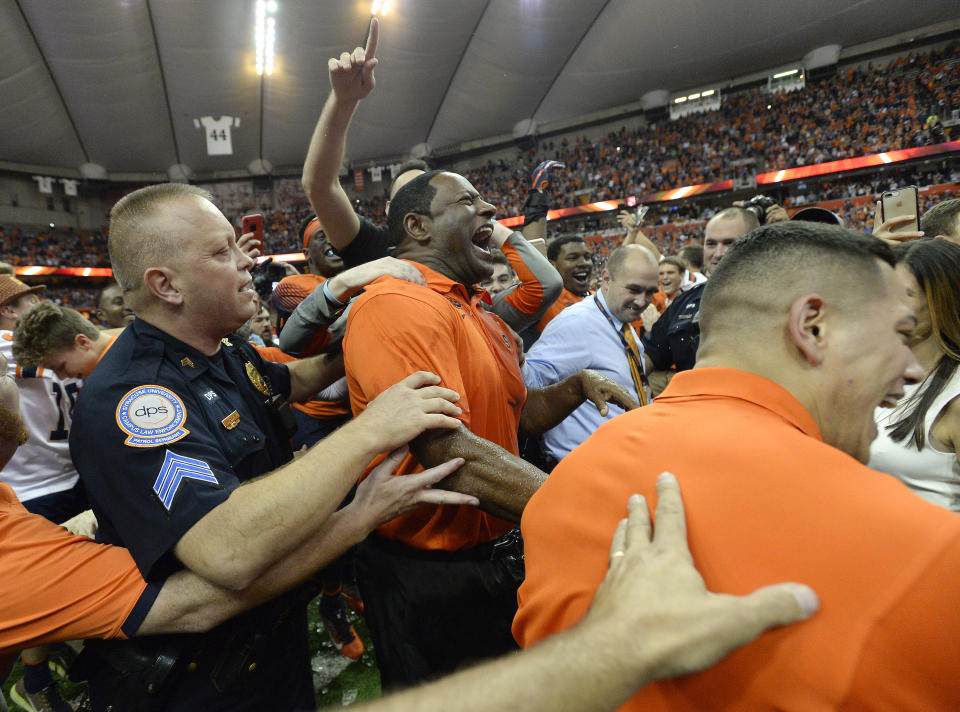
918 441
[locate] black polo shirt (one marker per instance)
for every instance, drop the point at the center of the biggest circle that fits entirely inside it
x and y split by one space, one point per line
674 339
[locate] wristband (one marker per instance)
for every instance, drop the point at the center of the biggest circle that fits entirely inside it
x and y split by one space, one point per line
332 300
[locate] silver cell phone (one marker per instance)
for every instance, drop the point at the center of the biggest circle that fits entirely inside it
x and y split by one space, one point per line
896 203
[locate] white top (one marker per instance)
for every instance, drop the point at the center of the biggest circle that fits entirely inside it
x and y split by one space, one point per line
42 465
932 473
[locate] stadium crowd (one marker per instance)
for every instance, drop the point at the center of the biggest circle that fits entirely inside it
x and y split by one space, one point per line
453 429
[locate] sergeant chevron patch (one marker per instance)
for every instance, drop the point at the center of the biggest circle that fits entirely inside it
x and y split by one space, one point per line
177 468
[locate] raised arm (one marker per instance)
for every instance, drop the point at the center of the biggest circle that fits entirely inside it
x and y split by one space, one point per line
635 235
351 80
540 283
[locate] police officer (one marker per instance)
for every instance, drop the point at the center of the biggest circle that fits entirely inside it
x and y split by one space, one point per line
674 338
171 432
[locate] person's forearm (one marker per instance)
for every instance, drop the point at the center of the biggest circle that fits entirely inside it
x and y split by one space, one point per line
311 317
540 285
637 237
321 170
311 375
269 517
547 407
573 671
502 481
188 603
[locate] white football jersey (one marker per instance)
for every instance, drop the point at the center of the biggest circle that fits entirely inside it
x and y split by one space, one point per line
42 465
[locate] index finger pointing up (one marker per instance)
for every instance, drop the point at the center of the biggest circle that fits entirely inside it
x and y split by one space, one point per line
373 37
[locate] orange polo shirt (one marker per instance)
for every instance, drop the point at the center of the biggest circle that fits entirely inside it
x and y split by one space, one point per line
396 328
57 586
565 299
766 501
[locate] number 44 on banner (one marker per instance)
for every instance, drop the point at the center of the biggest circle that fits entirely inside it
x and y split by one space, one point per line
217 131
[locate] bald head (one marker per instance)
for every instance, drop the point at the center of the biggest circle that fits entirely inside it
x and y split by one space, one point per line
140 237
722 230
629 281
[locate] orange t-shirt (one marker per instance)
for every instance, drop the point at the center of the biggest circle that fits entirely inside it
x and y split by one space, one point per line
396 328
57 586
565 299
766 501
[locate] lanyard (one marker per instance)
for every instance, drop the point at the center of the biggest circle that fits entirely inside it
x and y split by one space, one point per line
633 356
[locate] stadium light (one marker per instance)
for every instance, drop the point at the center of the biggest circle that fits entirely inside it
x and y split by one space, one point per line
380 7
781 75
694 97
679 100
265 35
708 92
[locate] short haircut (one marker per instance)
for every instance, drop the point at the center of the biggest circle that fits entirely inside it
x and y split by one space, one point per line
414 164
414 197
622 253
45 328
553 250
136 242
748 216
500 259
676 262
942 219
692 254
772 263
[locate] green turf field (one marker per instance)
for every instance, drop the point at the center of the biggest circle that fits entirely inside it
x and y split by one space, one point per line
338 681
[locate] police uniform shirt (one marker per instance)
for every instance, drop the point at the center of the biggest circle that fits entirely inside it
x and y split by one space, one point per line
674 339
162 435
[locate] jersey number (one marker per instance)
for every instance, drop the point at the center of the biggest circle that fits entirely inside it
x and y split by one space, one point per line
222 135
61 433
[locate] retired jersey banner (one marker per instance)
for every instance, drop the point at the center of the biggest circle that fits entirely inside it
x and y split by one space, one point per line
358 179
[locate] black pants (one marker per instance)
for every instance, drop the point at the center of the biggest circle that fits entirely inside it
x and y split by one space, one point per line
430 613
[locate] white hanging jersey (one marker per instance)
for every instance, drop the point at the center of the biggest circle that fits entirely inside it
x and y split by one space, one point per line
42 465
218 133
376 174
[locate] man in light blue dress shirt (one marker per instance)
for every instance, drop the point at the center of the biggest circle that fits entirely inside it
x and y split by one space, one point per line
589 334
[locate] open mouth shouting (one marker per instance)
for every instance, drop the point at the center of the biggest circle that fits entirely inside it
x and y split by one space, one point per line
481 237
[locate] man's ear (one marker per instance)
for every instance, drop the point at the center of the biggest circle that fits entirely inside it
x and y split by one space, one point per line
162 283
605 276
417 226
82 342
805 326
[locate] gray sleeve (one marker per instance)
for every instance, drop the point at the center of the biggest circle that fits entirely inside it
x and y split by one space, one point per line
311 315
539 281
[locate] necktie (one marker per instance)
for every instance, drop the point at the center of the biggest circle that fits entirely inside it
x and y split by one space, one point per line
636 364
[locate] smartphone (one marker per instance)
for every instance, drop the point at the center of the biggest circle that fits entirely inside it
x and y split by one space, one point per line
254 224
641 214
540 244
895 203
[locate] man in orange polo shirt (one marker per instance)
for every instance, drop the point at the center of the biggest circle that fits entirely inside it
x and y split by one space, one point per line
805 330
439 585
